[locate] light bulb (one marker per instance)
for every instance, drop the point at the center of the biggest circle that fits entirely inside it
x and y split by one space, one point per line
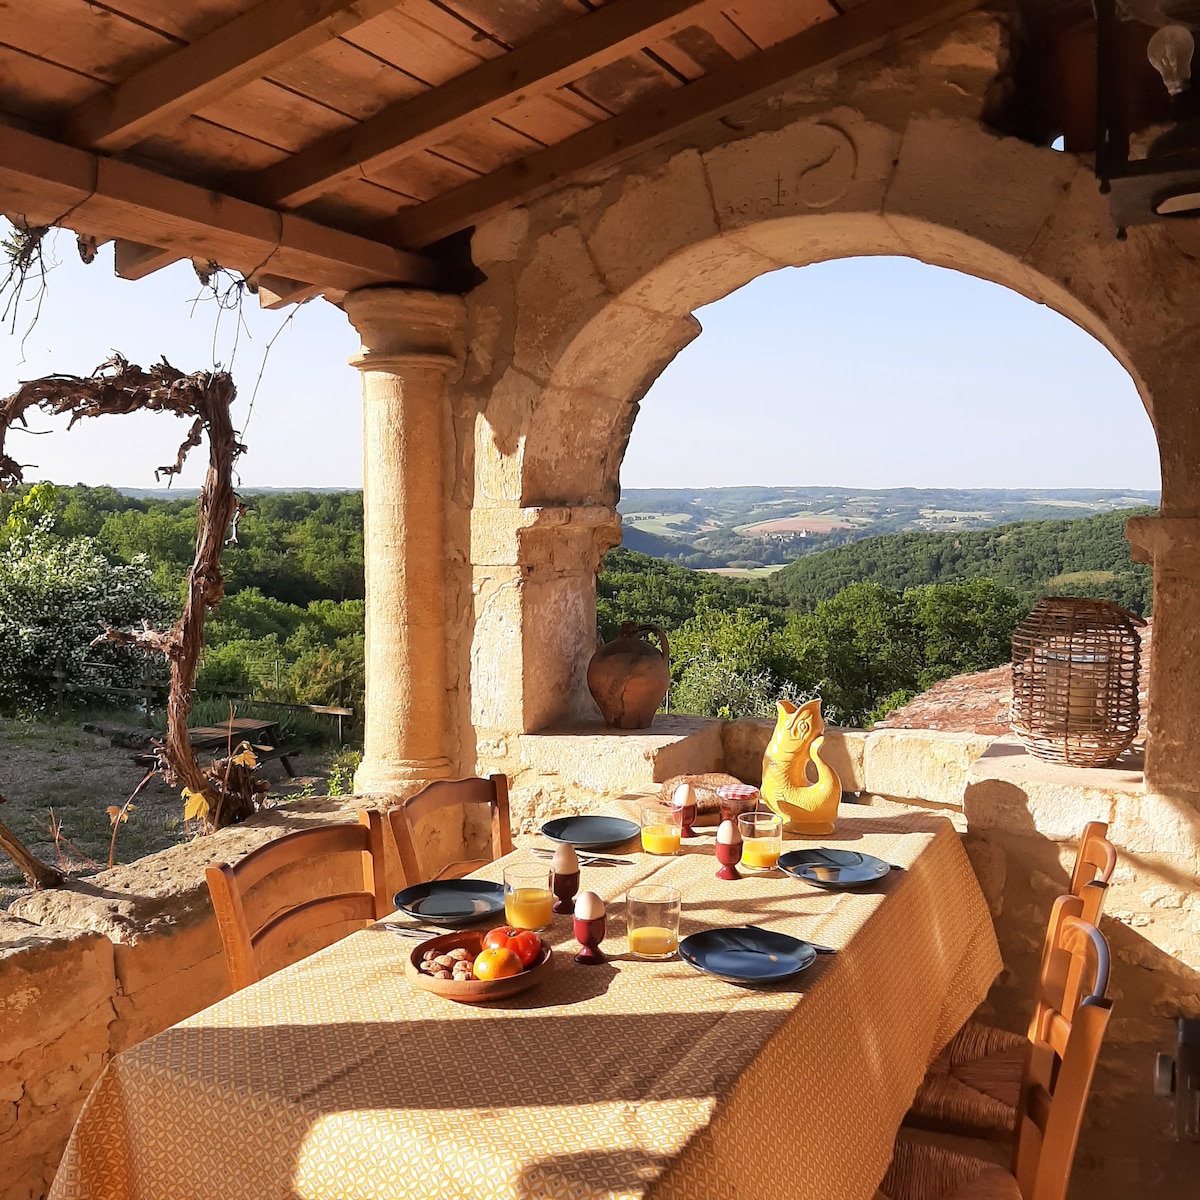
1170 54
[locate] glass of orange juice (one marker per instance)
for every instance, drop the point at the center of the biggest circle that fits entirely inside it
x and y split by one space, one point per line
662 827
762 841
652 918
528 899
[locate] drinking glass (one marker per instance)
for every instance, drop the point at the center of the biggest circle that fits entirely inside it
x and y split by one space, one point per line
662 827
762 840
652 918
528 900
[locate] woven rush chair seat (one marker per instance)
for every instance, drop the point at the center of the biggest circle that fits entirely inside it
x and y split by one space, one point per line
973 1085
920 1171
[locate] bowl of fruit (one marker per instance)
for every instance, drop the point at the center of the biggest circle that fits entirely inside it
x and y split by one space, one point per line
475 967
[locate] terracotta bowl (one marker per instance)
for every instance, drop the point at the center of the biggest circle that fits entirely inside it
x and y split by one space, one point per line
473 991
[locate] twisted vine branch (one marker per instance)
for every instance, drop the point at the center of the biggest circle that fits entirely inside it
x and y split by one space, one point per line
118 386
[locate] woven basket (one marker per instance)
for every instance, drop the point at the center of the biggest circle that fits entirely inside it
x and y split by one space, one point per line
1075 681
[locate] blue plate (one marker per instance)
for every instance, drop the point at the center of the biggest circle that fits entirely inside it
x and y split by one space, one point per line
746 954
451 902
591 833
834 868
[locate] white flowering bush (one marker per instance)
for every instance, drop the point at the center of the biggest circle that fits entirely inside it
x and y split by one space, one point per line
56 595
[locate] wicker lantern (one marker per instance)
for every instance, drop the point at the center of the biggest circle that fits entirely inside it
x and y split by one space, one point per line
1075 681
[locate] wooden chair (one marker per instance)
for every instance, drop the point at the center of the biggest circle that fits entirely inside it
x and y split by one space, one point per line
249 949
972 1087
1054 1089
462 794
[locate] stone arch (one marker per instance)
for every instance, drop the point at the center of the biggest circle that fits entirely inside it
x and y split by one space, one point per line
590 294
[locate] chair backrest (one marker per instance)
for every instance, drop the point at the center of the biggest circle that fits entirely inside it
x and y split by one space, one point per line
460 794
250 947
1094 865
1063 1053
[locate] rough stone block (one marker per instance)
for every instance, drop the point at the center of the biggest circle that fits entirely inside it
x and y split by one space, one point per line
612 761
40 968
654 215
1009 789
946 175
837 163
921 764
562 269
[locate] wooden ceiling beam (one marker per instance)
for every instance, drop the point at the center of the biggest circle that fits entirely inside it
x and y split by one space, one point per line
830 44
560 55
48 183
243 49
133 260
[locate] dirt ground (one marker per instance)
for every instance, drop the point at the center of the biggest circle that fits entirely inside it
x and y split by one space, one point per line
61 777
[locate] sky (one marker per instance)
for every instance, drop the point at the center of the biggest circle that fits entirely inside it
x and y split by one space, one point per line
867 372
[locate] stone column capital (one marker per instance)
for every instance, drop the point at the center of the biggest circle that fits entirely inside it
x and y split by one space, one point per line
403 330
1172 544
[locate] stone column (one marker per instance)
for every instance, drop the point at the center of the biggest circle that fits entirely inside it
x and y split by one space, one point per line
412 348
1172 544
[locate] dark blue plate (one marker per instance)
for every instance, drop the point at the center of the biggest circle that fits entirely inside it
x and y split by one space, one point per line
834 868
746 954
451 902
591 833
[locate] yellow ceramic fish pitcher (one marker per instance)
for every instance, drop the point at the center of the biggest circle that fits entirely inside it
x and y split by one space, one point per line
798 737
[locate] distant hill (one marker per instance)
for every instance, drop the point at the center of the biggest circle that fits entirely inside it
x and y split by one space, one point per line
748 527
1083 557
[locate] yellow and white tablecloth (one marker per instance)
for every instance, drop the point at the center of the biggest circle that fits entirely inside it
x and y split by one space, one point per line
336 1079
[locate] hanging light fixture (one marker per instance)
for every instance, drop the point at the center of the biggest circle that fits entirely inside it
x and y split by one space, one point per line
1160 179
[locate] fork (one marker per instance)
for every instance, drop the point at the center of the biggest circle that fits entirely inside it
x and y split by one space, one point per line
588 860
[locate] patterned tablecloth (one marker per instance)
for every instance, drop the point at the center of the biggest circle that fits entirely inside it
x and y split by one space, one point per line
335 1078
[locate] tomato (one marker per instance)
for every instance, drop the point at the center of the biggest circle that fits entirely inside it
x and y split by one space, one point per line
524 943
495 962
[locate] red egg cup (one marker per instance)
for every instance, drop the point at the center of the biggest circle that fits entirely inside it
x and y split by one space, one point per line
729 854
565 887
589 935
687 815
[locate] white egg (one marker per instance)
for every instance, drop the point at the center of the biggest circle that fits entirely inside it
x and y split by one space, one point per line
727 834
565 860
588 906
684 796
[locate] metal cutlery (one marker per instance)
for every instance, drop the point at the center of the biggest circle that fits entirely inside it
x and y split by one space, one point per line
414 930
588 860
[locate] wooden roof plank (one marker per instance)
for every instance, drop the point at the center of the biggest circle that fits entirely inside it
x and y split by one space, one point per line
563 53
235 53
51 183
861 31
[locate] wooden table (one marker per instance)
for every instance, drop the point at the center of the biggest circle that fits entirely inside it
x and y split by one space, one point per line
265 736
336 1078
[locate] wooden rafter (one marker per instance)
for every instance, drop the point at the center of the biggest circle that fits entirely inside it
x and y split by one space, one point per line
557 57
182 82
48 183
854 34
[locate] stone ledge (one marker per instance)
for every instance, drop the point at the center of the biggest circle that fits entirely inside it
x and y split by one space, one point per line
591 756
1011 790
159 893
921 764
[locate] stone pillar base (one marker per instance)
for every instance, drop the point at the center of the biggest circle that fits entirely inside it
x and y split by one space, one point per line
400 777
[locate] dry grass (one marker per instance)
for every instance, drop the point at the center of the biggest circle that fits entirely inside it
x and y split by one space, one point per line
50 768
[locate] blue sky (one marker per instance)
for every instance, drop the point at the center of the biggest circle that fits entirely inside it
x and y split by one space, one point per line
863 372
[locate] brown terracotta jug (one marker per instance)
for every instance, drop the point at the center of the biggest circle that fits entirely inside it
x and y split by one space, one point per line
628 677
